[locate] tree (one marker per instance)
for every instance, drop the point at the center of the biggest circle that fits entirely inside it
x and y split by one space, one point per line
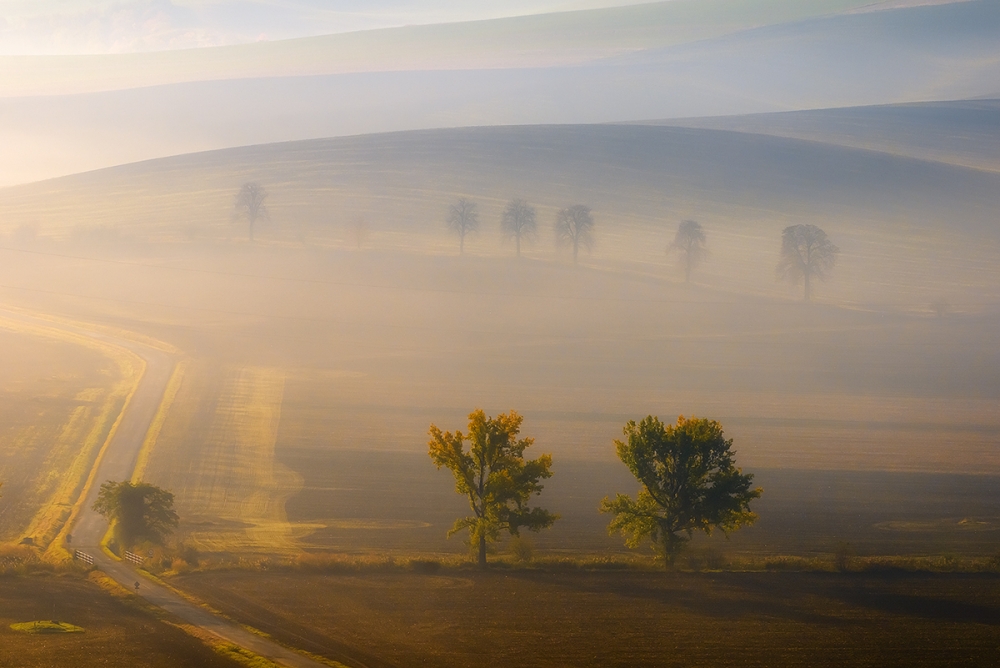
138 511
518 221
250 204
690 243
805 252
575 227
495 477
462 219
689 483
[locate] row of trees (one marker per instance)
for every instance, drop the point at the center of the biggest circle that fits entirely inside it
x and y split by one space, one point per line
574 225
687 473
806 252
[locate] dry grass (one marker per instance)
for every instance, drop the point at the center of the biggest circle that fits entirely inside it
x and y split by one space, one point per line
231 491
50 455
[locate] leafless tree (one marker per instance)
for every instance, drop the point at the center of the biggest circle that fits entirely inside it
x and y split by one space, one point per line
575 227
463 218
518 221
690 243
805 252
250 204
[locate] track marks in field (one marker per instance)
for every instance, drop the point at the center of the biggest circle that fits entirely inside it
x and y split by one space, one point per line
233 489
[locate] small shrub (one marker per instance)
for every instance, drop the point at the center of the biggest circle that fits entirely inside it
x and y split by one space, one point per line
521 548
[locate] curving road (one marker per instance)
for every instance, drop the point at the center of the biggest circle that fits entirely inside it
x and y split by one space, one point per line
118 463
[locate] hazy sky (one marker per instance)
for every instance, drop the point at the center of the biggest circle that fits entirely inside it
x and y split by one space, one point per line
113 26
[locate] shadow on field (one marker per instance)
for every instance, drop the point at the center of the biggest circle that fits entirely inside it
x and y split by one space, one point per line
873 595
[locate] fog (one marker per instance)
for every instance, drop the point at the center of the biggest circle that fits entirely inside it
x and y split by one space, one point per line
231 288
549 69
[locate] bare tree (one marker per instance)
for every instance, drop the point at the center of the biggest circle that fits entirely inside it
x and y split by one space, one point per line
805 252
250 204
690 243
518 221
575 227
463 218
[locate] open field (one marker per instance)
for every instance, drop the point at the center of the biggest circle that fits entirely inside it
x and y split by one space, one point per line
114 633
315 364
62 393
621 619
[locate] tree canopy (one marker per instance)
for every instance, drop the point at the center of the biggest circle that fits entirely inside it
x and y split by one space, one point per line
689 483
805 252
494 476
689 243
138 511
463 217
575 228
518 222
250 204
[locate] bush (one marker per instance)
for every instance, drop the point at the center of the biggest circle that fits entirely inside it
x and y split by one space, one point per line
521 548
426 566
843 557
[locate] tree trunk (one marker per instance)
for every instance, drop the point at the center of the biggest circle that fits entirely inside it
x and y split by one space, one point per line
461 244
687 267
806 298
482 551
576 250
517 240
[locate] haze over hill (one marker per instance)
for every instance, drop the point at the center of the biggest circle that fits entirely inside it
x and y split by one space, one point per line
673 59
369 345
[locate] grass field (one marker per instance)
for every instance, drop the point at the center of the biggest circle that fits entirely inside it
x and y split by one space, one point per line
622 619
62 393
115 633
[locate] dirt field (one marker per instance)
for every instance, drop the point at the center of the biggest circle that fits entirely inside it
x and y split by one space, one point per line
114 633
623 619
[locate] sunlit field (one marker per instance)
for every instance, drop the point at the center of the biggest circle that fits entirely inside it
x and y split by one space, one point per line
62 393
314 358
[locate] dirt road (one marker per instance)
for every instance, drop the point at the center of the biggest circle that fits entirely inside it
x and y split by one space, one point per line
117 464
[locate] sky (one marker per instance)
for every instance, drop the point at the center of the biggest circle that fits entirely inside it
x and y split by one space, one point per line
56 27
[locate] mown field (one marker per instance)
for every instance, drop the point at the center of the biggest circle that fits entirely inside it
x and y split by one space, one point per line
61 394
115 633
621 619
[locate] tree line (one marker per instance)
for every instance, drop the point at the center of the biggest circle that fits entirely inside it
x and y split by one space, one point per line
807 254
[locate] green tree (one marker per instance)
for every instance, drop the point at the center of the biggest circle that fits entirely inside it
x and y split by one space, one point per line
690 243
805 252
138 511
689 483
495 477
250 204
518 222
575 227
463 218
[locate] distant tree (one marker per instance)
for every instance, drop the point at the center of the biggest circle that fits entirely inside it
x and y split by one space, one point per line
690 244
518 221
805 252
250 204
689 483
575 227
138 511
463 218
359 231
495 477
